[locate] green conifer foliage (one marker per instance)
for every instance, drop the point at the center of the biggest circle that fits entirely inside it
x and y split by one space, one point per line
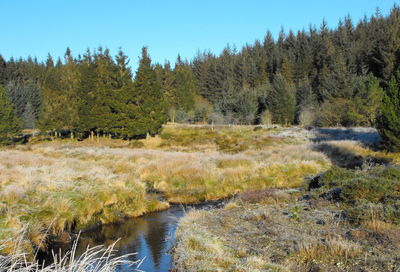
148 99
388 122
9 122
282 101
185 88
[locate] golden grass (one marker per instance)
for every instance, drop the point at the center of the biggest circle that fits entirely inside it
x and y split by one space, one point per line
358 149
196 177
94 259
57 192
332 249
385 229
65 184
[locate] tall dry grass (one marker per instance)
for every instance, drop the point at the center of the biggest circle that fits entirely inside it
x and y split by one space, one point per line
67 185
95 259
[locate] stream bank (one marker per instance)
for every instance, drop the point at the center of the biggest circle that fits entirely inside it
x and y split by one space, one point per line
152 236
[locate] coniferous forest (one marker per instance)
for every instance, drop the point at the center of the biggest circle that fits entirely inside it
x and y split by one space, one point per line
317 76
281 155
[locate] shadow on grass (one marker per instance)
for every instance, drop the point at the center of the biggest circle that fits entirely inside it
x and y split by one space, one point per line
367 136
347 159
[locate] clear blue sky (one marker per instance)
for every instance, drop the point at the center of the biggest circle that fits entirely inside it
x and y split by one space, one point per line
169 27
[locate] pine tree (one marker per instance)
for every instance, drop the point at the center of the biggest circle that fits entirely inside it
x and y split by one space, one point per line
185 88
367 100
150 106
3 71
22 93
52 117
89 109
388 122
282 101
9 122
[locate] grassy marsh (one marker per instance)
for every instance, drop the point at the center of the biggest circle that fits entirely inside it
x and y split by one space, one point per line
345 219
48 188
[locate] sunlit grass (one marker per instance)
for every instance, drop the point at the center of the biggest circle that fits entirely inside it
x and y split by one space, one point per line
66 185
94 259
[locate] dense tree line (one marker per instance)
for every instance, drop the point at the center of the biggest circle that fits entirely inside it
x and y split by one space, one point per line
91 95
318 76
314 77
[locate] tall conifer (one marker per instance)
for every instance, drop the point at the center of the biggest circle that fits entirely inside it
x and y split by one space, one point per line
9 122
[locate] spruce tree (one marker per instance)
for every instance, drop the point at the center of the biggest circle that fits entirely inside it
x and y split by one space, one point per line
151 111
9 122
367 100
3 71
185 88
282 101
388 122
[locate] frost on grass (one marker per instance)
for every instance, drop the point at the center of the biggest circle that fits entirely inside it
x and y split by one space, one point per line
67 186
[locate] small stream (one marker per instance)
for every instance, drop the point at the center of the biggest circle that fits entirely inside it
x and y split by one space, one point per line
152 236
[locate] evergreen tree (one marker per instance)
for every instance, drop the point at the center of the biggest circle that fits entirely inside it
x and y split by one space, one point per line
184 90
282 101
22 93
367 100
148 98
90 109
388 122
9 122
3 71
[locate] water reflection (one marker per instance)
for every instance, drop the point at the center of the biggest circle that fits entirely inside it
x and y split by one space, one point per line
151 236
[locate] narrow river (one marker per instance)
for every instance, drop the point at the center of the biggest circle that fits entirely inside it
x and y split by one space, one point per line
152 236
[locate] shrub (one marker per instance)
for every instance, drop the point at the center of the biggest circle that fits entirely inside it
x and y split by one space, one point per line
376 189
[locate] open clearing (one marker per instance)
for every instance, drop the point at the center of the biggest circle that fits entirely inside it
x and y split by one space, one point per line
283 216
344 219
50 189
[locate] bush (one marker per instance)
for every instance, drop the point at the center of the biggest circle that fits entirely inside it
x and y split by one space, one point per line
378 187
307 117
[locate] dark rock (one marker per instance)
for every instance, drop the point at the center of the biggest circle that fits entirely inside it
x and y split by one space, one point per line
320 222
314 182
334 194
305 197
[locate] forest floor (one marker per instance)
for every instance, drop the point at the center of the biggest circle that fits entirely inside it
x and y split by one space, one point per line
346 218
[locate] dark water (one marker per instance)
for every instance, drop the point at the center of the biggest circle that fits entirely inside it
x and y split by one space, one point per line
152 236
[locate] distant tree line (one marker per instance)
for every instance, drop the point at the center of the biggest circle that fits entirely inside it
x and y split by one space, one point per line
89 96
319 76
